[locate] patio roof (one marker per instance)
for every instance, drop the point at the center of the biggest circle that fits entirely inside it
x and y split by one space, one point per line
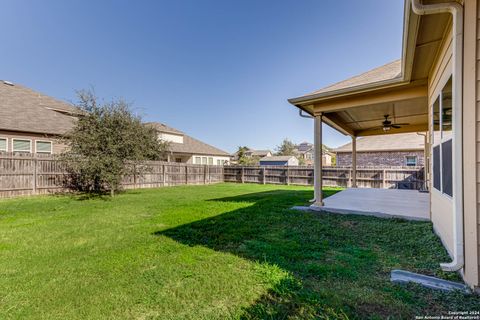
399 89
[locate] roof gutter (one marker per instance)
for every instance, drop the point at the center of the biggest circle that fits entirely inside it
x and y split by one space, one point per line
456 10
362 88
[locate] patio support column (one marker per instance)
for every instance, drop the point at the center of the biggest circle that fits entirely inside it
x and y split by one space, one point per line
317 172
354 162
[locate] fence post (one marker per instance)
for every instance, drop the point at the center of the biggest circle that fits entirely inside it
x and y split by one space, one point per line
205 174
242 176
349 181
134 176
383 177
34 187
288 176
263 176
164 175
186 175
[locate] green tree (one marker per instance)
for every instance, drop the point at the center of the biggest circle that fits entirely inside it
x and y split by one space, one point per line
286 148
108 142
241 153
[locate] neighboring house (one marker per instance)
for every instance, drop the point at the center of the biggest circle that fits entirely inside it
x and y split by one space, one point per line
279 161
186 149
258 153
31 122
251 153
434 87
306 152
395 150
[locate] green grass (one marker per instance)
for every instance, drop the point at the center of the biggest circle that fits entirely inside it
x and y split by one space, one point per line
211 252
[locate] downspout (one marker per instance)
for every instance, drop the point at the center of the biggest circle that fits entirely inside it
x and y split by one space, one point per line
456 10
301 114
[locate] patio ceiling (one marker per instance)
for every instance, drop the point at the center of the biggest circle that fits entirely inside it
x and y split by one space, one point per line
363 115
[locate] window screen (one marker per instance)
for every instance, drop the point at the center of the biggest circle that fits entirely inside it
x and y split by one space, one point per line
21 145
204 160
447 109
198 160
436 168
210 161
447 167
43 147
3 144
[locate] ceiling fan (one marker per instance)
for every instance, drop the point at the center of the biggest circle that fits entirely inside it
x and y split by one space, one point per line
387 124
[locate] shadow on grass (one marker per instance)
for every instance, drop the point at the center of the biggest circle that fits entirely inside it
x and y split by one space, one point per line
339 265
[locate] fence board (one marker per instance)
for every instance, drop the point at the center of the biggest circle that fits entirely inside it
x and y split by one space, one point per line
367 177
28 174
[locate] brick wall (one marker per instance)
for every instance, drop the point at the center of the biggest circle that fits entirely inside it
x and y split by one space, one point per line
383 158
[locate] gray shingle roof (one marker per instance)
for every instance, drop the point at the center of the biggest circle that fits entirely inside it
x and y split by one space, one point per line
190 145
25 110
390 71
260 153
386 142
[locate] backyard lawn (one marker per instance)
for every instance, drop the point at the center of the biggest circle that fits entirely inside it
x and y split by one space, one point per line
227 251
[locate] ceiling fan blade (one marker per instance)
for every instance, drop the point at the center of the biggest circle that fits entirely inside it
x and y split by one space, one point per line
401 124
395 126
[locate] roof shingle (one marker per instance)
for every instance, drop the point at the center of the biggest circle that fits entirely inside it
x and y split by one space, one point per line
24 110
190 145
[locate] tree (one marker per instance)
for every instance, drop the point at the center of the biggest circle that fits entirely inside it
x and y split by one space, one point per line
108 142
241 152
245 160
286 148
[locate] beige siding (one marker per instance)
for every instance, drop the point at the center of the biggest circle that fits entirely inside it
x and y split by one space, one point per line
471 140
441 206
57 146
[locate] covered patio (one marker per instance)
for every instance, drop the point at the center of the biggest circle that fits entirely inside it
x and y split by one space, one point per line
378 102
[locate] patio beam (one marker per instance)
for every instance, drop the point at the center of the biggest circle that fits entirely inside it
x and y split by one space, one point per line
398 94
317 169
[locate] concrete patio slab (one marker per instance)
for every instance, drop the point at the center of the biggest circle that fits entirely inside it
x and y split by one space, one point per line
383 203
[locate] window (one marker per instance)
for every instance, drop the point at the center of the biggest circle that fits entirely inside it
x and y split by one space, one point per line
219 162
178 160
204 160
436 168
198 160
411 161
210 161
43 147
3 144
442 113
22 145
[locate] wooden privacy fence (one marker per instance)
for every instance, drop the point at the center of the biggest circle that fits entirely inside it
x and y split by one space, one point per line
27 174
367 177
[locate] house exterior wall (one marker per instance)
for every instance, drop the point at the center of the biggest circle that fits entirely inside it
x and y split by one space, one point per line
380 158
215 159
308 158
57 145
471 141
441 205
273 163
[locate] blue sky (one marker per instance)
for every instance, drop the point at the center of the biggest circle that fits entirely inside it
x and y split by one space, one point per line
221 71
